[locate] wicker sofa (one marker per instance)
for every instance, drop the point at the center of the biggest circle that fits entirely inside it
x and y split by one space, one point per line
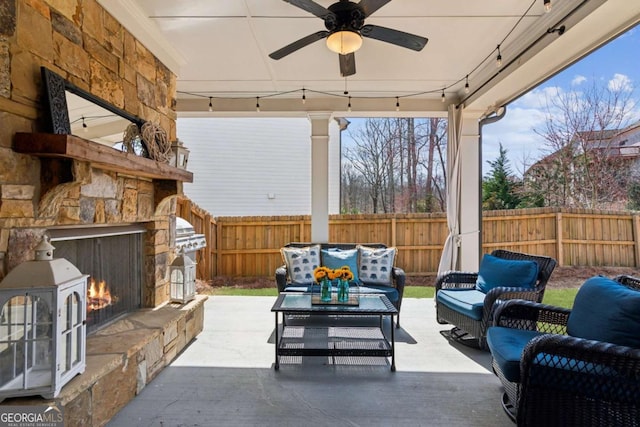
562 367
393 290
459 301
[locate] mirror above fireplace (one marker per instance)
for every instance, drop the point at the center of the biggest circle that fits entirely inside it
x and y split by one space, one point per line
74 111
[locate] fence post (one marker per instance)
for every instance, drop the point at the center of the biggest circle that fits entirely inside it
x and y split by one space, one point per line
559 249
393 231
636 238
219 247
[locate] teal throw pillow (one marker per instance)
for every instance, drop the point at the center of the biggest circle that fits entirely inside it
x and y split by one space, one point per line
606 310
336 258
499 272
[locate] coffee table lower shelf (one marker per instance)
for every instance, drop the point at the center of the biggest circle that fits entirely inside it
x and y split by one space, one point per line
334 341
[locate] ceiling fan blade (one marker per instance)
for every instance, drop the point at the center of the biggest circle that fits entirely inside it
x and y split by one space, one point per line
399 38
370 6
298 44
311 7
347 65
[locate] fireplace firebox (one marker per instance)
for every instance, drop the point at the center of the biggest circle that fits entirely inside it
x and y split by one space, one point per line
113 259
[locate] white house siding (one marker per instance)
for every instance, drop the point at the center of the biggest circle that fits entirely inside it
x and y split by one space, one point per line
255 166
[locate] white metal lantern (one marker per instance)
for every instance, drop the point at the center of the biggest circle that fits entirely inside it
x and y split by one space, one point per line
179 155
42 325
183 278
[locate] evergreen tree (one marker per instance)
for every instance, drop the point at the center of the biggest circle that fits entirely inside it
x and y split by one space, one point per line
499 186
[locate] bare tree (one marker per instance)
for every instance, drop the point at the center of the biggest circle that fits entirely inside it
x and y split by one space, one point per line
582 168
370 157
399 163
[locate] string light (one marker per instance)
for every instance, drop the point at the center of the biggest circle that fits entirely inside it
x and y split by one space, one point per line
210 104
345 93
84 125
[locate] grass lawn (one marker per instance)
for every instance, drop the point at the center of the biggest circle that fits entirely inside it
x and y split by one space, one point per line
559 297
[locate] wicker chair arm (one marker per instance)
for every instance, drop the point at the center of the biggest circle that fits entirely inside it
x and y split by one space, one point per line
281 278
628 281
399 278
456 280
601 379
533 316
506 293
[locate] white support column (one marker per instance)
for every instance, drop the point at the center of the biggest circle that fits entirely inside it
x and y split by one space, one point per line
471 198
320 176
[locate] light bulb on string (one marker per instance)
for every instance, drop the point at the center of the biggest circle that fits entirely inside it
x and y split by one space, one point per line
397 104
499 58
84 125
304 97
349 105
547 5
210 105
257 104
466 84
442 98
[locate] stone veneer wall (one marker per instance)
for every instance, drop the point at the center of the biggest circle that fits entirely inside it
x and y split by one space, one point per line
80 41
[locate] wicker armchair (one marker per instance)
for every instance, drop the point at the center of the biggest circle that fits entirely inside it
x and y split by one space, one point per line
566 380
470 331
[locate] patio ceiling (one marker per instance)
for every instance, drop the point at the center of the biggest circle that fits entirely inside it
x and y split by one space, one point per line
220 49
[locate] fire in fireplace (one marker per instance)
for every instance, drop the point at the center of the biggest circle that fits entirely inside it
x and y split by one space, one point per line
113 258
98 295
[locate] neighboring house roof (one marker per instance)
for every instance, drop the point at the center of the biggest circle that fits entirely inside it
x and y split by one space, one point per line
618 143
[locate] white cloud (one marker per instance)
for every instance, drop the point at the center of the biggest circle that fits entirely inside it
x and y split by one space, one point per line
620 83
578 80
515 132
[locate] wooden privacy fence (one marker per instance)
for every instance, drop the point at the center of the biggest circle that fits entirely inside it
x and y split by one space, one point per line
250 246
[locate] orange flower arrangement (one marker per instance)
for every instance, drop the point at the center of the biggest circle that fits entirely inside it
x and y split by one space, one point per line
344 273
322 272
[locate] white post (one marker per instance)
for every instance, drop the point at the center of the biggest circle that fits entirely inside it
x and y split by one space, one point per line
471 198
320 176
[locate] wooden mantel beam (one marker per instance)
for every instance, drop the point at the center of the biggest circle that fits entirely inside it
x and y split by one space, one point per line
100 156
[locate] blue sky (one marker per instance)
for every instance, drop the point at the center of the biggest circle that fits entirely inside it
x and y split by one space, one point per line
616 62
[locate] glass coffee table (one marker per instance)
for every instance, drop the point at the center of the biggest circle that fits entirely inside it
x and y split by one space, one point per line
337 337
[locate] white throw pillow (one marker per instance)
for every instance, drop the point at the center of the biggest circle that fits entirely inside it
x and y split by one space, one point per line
376 265
301 262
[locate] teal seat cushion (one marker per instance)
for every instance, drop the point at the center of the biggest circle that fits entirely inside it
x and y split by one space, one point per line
506 345
606 310
469 302
389 291
499 272
335 258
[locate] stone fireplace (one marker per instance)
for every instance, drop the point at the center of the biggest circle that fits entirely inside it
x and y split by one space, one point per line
72 188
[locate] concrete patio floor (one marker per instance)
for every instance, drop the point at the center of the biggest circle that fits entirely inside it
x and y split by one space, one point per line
226 378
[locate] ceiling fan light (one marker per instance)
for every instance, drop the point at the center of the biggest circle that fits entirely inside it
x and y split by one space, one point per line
344 42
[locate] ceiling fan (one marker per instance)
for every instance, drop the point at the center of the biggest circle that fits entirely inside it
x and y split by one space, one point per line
344 21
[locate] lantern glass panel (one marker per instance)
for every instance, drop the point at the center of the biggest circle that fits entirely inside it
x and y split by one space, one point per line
177 284
26 342
70 347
